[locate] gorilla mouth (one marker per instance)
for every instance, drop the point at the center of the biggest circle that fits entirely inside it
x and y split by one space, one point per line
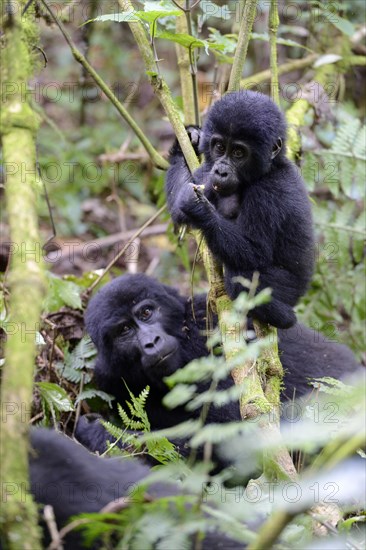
164 358
224 190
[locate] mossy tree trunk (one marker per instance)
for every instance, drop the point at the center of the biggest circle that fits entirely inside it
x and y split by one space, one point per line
26 279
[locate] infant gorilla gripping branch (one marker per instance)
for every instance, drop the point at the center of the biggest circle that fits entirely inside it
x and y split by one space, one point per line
254 211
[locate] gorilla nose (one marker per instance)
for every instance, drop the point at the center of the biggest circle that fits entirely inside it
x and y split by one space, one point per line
222 172
151 345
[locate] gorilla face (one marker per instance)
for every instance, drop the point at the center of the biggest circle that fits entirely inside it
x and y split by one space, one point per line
140 335
229 159
137 326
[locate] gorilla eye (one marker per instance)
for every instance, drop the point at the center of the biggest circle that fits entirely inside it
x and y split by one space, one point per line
125 328
145 313
219 148
238 153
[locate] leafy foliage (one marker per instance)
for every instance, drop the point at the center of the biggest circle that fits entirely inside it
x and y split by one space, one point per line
54 400
78 362
336 300
136 420
61 293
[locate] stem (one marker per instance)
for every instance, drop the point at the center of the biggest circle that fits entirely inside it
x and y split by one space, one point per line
156 159
263 76
338 450
193 71
295 118
274 22
160 88
87 31
347 228
271 530
248 8
134 236
156 58
193 65
19 125
184 75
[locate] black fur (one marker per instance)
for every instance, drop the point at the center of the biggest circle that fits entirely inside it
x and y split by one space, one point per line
254 212
304 353
66 476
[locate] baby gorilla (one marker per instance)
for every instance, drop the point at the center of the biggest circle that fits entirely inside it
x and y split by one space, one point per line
254 211
145 330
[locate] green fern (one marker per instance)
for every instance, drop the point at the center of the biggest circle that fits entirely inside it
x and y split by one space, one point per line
346 136
342 167
159 448
359 146
75 364
138 419
113 430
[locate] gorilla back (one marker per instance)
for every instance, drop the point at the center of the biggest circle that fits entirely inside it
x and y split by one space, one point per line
254 211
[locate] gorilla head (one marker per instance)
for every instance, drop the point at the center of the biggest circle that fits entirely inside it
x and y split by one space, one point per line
243 133
139 327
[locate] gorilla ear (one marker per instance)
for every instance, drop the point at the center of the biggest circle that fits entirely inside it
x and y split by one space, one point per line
276 148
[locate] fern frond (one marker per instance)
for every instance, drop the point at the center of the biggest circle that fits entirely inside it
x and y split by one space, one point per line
359 146
346 135
113 430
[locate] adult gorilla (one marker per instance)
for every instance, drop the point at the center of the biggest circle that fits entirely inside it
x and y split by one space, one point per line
66 476
145 330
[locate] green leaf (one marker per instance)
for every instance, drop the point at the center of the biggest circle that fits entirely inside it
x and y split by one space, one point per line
153 10
179 395
70 294
346 27
226 42
124 17
347 524
54 397
283 41
164 6
327 59
185 40
89 394
61 293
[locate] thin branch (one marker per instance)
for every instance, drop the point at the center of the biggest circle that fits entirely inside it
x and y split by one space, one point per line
160 87
193 71
340 227
55 544
193 65
184 74
157 160
248 8
49 517
271 530
274 22
263 76
110 240
134 236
